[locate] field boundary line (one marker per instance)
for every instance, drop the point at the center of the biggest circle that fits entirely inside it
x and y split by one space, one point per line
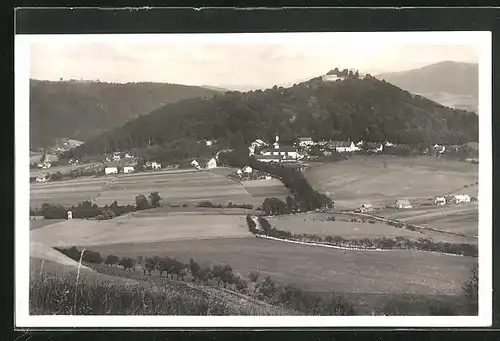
350 248
386 220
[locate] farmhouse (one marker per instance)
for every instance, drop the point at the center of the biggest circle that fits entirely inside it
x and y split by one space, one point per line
287 151
247 169
211 164
42 178
70 215
461 198
111 170
366 208
239 172
341 146
155 165
195 164
438 148
305 142
403 203
439 201
128 169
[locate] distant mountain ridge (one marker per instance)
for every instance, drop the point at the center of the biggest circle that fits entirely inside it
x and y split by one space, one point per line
453 84
349 109
81 110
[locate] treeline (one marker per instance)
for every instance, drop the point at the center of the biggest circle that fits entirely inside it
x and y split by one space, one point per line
304 197
354 109
383 243
223 275
88 210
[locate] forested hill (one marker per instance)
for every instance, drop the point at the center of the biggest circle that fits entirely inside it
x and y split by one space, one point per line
449 83
353 108
82 110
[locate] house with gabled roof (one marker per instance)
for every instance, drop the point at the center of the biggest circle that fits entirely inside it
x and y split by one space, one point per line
341 146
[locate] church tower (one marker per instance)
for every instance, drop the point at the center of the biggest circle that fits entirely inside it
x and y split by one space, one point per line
276 143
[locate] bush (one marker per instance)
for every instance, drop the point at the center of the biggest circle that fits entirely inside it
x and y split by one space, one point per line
141 202
111 260
207 204
155 199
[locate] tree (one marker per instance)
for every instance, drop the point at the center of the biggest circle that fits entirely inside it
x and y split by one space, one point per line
149 264
291 204
141 202
165 264
111 260
273 206
127 263
155 198
254 276
267 287
470 287
195 269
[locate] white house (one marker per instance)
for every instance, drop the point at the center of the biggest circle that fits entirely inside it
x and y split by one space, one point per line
195 164
403 203
440 149
287 151
388 144
439 201
128 169
111 170
128 156
366 208
341 146
41 178
239 171
70 215
251 150
116 157
461 198
155 165
247 169
211 164
305 141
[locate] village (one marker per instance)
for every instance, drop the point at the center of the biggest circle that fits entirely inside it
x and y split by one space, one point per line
300 154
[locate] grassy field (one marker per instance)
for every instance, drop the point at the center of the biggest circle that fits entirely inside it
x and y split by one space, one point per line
63 169
262 189
67 192
317 268
175 187
461 218
142 229
38 223
384 178
316 223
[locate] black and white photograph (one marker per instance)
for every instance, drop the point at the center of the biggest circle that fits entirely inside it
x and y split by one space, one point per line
254 179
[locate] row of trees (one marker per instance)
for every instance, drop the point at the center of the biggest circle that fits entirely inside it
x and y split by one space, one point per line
364 243
304 198
89 210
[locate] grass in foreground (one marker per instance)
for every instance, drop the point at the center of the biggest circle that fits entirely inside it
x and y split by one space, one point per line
55 295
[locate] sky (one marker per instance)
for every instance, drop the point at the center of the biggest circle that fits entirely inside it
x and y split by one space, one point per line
237 63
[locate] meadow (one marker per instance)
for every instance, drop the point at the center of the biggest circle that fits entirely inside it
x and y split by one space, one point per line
317 223
382 179
317 268
461 218
142 229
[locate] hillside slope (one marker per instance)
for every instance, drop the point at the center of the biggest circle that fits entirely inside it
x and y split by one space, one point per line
367 109
452 84
82 110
